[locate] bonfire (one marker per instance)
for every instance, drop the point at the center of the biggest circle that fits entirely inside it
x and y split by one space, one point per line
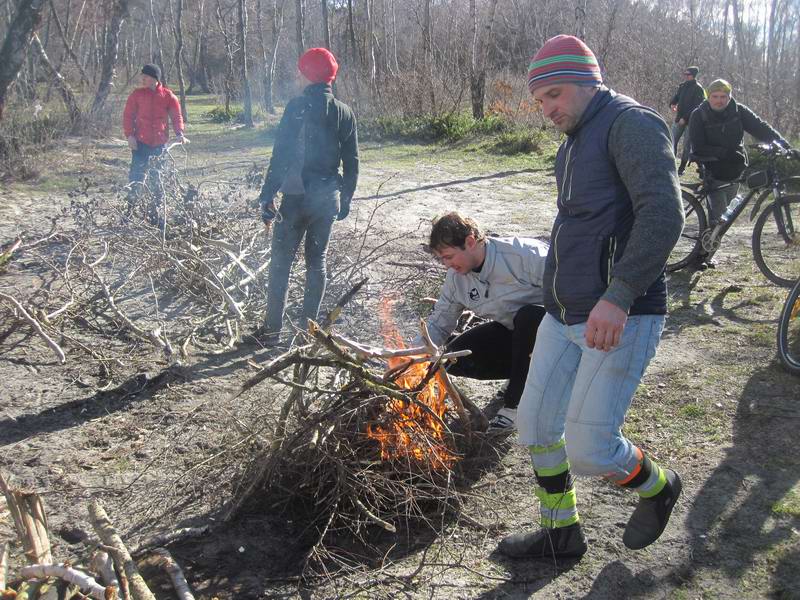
369 451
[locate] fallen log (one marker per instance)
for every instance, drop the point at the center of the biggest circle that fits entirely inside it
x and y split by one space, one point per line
85 582
108 534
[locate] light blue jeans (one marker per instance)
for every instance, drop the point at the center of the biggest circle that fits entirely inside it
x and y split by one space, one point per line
582 394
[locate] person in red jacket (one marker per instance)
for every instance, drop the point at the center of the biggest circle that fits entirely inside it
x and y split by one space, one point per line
145 120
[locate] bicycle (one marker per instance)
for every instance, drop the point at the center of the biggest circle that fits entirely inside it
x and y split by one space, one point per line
789 331
776 234
160 183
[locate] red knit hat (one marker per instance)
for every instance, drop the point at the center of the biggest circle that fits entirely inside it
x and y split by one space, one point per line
318 65
564 59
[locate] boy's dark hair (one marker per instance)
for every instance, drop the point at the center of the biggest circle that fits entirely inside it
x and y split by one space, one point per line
452 230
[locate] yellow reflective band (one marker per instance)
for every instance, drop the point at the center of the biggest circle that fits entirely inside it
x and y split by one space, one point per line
555 524
658 486
547 449
560 501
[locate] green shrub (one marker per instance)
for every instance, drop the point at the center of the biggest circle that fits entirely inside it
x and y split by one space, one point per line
519 141
234 114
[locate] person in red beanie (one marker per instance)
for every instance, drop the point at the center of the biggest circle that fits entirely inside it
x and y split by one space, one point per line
619 216
316 135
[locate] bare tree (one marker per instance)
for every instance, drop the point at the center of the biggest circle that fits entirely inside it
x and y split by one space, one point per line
477 70
247 97
156 29
12 55
326 28
270 59
178 30
299 25
118 13
60 83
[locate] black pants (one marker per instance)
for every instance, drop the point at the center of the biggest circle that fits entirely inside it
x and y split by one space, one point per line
499 353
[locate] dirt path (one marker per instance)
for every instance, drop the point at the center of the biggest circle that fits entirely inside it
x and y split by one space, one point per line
714 404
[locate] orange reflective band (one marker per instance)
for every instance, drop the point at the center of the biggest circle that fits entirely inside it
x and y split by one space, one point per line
635 471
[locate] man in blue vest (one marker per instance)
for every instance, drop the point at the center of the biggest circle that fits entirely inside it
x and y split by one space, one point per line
619 215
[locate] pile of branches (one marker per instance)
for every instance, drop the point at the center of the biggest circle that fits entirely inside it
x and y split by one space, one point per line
154 273
329 468
110 571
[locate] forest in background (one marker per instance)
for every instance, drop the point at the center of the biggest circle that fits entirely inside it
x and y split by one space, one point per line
397 57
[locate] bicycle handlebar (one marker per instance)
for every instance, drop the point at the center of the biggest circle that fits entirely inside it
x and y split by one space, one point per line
775 149
173 144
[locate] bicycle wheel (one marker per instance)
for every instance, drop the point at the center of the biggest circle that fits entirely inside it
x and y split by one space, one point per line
789 331
689 245
776 241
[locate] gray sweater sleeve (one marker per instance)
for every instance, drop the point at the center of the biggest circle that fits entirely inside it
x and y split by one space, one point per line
641 147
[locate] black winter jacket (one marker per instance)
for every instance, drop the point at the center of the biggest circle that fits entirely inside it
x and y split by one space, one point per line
689 96
721 134
331 138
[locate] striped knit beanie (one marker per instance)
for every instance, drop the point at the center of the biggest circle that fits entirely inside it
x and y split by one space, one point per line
564 59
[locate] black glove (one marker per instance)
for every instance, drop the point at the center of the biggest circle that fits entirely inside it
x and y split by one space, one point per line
344 210
268 212
794 153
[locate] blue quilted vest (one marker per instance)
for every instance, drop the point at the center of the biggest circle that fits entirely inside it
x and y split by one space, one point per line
594 221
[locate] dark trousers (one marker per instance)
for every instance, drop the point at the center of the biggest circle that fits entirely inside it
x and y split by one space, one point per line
500 353
139 159
312 216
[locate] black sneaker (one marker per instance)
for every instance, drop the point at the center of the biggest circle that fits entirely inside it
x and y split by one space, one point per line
563 542
651 516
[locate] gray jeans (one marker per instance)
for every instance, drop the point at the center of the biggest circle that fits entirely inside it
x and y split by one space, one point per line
677 132
718 201
311 215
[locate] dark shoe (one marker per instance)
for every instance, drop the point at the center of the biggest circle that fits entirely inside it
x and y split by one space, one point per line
563 542
651 516
265 338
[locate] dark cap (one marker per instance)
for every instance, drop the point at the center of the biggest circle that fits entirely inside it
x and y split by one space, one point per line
693 71
152 70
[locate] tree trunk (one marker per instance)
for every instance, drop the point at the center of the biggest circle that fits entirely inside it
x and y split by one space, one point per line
157 35
67 45
580 19
18 37
229 53
326 28
58 79
354 55
299 26
247 96
271 59
427 50
179 59
119 11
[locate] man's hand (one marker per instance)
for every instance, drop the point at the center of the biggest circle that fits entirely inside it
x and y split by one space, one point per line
605 325
674 107
132 143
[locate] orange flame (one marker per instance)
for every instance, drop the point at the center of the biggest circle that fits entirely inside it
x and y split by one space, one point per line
413 431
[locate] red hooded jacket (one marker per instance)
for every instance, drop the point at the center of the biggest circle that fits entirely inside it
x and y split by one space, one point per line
146 113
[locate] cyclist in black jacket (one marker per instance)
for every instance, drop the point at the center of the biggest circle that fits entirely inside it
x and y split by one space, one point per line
689 96
716 130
